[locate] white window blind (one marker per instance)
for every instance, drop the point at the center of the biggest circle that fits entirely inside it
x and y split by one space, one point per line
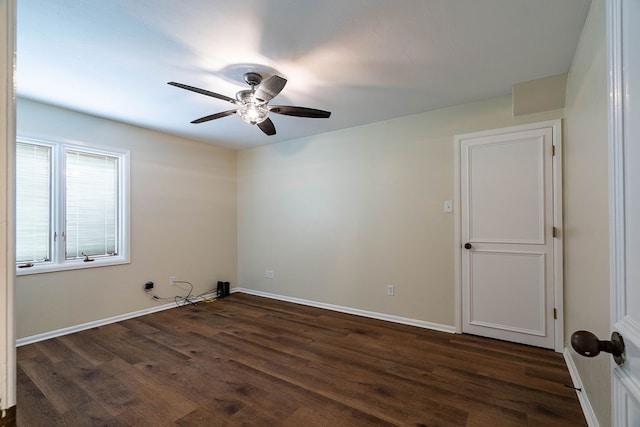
33 203
72 206
91 209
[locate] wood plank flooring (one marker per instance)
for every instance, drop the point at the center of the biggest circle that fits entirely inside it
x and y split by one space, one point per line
246 360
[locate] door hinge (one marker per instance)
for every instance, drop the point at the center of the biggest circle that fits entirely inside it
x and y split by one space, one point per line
555 314
553 150
555 231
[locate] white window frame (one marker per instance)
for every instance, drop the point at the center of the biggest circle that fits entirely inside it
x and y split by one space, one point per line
58 261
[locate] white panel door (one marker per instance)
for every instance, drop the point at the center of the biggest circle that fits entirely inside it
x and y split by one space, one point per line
506 195
624 66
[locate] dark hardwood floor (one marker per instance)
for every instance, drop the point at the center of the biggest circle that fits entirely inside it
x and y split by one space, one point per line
246 360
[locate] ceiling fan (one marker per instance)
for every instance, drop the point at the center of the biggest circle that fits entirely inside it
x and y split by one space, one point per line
252 104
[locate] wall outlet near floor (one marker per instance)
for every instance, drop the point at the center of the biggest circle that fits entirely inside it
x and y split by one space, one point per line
390 290
172 280
268 274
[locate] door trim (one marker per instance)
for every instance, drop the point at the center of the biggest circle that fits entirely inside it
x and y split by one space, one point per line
624 379
617 141
7 198
556 126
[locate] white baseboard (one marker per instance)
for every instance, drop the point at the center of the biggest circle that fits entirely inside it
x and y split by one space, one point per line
356 311
84 326
585 404
381 316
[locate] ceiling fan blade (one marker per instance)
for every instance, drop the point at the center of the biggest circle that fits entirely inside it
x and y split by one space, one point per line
202 91
267 127
214 116
289 110
270 87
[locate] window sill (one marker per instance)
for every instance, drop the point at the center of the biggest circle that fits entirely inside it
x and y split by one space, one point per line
71 265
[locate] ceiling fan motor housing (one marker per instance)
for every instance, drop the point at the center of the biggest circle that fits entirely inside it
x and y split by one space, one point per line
245 96
252 79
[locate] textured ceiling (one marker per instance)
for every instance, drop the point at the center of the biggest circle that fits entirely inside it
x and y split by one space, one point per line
363 60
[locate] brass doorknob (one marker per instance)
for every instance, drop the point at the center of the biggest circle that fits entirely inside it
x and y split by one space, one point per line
587 344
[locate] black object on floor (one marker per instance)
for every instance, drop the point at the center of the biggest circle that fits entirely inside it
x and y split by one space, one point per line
220 290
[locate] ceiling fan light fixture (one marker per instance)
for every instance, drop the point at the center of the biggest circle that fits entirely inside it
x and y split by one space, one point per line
252 104
253 113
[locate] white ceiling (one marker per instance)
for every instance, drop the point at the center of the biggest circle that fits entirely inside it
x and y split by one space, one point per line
363 60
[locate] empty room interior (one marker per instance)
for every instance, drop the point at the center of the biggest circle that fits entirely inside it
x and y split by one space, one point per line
278 212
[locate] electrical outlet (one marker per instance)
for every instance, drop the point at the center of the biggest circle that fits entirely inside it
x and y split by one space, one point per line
148 285
268 274
172 280
390 290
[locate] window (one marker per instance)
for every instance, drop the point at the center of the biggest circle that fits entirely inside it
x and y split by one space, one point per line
71 206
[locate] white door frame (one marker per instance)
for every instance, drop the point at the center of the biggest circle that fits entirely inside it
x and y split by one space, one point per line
7 244
624 380
556 126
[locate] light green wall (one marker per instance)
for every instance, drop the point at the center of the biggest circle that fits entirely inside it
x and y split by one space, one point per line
339 216
586 222
183 224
